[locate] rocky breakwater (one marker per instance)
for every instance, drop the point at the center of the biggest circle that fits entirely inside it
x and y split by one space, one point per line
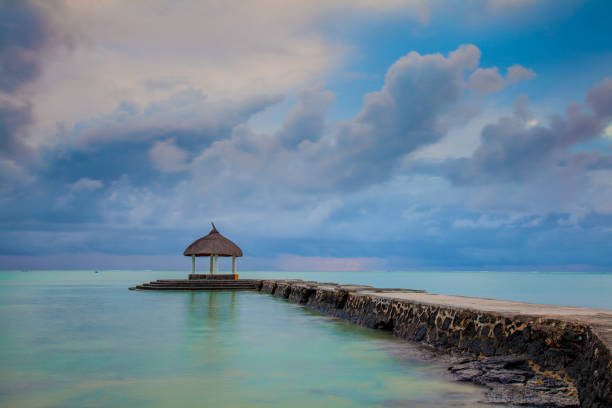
526 354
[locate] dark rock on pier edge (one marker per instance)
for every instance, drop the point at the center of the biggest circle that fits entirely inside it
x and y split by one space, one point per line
510 381
523 360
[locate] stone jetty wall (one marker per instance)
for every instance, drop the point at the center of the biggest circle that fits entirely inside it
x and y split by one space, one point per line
568 349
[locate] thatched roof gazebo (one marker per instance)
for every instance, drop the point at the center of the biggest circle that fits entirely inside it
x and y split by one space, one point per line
213 245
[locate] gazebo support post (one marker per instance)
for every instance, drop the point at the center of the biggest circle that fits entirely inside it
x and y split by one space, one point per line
211 264
233 265
193 264
217 264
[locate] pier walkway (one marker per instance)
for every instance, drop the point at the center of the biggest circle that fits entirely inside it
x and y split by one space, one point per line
599 319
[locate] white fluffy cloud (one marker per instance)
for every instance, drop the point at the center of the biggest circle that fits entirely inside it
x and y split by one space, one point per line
404 115
144 53
114 51
517 73
167 156
535 168
488 80
85 184
299 174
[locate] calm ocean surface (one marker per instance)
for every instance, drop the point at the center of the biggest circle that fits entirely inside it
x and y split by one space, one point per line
77 338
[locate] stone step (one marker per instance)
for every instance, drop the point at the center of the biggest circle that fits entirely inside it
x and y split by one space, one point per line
207 280
195 288
198 287
200 284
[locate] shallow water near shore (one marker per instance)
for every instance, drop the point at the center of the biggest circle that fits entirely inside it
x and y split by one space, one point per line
80 338
75 340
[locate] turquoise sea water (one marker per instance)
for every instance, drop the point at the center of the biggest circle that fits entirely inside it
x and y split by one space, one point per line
585 289
77 338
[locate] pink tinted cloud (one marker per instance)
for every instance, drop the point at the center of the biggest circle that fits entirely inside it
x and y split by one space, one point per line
328 264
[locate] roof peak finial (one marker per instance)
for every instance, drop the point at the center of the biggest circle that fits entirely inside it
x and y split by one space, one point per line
214 228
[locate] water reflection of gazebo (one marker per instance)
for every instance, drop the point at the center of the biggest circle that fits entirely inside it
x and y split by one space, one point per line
213 245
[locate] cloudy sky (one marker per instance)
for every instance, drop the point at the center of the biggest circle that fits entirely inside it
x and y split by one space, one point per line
318 135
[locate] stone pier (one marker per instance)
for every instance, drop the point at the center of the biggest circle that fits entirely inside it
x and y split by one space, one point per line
527 354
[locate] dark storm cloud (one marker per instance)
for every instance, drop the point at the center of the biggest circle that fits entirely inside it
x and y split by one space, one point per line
23 33
517 150
112 153
12 120
405 115
26 30
187 115
599 99
307 120
14 175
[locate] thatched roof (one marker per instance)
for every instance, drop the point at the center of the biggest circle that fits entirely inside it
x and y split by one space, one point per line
213 244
